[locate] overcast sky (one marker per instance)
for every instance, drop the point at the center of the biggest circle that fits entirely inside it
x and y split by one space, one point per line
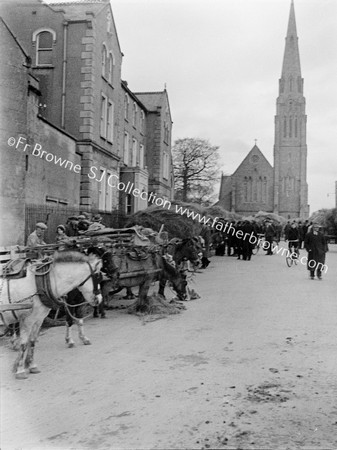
221 61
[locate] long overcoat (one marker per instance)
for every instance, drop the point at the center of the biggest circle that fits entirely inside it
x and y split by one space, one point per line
316 246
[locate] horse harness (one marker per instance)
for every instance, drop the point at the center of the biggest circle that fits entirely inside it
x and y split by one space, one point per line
44 290
43 285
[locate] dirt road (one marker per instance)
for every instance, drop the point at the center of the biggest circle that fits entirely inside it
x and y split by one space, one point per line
251 364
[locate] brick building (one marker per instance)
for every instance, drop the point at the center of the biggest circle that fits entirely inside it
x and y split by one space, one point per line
283 189
26 177
115 136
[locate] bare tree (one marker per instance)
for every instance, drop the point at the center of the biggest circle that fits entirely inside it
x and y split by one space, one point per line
196 169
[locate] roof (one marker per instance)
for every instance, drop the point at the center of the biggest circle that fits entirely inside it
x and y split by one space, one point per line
255 150
77 10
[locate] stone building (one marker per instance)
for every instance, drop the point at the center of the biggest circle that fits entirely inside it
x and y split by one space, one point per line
158 143
281 189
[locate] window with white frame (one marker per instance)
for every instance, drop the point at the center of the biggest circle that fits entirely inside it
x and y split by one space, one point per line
142 122
102 189
134 114
111 64
44 40
104 61
104 102
126 107
109 192
126 148
141 156
134 153
110 121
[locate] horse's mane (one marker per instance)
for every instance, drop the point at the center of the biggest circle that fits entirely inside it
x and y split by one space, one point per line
69 257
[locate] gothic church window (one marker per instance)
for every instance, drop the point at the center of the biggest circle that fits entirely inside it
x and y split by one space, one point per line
264 190
285 127
290 126
295 127
245 190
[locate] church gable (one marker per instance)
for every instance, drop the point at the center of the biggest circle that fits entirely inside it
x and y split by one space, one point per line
253 183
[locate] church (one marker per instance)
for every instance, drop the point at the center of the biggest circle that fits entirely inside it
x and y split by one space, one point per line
281 189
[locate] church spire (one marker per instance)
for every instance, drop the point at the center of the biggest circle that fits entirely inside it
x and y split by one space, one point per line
291 60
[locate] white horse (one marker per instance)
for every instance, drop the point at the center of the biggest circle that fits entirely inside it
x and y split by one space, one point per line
67 271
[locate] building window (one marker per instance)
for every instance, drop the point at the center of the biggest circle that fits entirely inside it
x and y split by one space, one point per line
110 68
126 148
245 190
134 114
110 121
264 190
167 127
104 61
44 39
103 116
285 127
290 126
142 122
102 190
295 127
166 166
128 204
141 156
134 153
126 107
109 190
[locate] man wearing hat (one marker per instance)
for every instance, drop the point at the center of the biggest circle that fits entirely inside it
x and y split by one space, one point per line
36 238
96 225
269 236
316 246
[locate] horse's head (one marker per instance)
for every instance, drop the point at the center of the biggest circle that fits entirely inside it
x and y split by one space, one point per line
176 277
109 265
190 250
179 284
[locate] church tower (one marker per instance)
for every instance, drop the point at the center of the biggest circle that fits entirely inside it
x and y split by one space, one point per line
290 148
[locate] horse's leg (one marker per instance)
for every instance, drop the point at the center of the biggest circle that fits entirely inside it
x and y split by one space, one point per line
96 309
69 337
15 335
144 287
101 308
129 294
81 334
162 284
30 363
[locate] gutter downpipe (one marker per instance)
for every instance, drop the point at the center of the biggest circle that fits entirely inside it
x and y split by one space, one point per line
64 66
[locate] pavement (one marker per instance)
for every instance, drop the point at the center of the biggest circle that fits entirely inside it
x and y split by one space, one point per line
252 364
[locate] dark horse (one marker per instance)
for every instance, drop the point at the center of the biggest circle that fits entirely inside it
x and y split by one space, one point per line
182 251
140 268
76 307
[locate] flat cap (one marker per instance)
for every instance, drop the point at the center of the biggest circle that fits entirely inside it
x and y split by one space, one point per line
41 225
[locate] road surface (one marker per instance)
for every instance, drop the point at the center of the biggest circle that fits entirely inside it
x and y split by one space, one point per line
250 365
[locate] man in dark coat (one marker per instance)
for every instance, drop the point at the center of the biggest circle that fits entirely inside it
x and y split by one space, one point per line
269 236
316 246
247 246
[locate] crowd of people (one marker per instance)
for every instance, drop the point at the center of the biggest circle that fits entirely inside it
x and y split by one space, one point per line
242 236
238 239
75 226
